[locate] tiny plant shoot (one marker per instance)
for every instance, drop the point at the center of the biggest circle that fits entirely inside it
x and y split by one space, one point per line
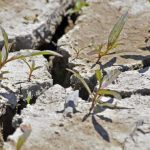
32 67
79 4
26 131
4 54
28 99
78 51
104 49
100 90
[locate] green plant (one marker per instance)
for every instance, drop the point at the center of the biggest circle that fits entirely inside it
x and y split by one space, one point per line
112 39
32 67
4 54
28 99
78 51
79 4
26 129
100 90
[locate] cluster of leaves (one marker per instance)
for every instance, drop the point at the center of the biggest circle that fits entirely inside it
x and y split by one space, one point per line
100 90
78 51
104 49
32 67
4 56
79 4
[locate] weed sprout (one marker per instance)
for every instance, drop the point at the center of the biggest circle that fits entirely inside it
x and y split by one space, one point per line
4 55
112 39
100 90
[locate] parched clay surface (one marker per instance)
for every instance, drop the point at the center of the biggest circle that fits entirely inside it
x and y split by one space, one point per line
17 79
19 20
95 24
122 129
111 129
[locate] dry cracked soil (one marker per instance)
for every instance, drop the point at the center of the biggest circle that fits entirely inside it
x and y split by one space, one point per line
52 129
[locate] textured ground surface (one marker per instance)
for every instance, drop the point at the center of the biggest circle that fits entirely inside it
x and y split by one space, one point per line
126 129
20 21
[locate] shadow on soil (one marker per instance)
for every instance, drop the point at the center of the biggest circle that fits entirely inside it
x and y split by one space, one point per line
100 130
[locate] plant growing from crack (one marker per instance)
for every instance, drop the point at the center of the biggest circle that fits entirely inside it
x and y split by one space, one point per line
26 131
79 4
78 51
4 55
104 49
32 67
100 90
28 99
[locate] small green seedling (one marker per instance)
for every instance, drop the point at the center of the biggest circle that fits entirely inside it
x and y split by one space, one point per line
112 39
26 129
32 67
100 90
78 51
78 7
28 99
4 54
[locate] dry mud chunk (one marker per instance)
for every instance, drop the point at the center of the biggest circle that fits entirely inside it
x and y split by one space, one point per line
31 23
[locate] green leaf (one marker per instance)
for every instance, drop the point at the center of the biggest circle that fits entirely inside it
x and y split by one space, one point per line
28 99
4 54
5 36
115 32
26 62
10 45
34 54
81 79
26 132
33 64
109 92
99 75
109 78
43 53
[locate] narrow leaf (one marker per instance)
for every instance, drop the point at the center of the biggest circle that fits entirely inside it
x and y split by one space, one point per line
115 32
28 99
81 79
26 63
26 129
99 75
10 45
4 54
109 92
34 54
33 64
5 36
109 78
43 53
